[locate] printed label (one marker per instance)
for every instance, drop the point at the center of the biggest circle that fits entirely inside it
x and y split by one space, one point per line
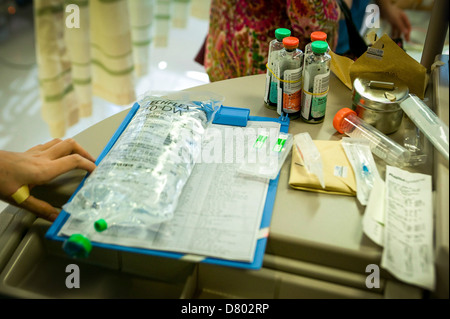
375 53
306 98
261 139
315 102
341 171
268 88
292 90
321 82
318 105
279 91
280 143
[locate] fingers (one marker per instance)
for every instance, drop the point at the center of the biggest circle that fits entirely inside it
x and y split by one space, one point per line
66 147
51 143
68 163
43 163
57 148
40 208
43 147
395 33
400 25
399 31
406 26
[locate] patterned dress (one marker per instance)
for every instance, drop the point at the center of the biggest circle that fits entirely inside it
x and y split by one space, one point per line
240 31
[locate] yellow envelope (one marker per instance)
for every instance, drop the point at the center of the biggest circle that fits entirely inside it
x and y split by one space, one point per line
384 56
338 173
340 66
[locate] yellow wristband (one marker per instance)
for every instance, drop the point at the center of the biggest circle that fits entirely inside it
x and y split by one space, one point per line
21 194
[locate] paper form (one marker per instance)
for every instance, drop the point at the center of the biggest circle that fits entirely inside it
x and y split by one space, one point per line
373 219
219 212
408 241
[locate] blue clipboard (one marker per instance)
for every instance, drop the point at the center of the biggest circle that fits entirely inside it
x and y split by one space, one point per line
225 116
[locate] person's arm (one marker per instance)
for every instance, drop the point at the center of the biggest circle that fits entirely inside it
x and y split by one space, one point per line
39 165
396 17
349 5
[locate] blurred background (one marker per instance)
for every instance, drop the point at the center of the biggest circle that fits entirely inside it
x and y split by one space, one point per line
171 67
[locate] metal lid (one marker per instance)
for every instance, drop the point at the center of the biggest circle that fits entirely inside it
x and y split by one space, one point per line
379 91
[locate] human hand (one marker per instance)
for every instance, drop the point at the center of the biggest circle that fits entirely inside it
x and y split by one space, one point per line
37 166
397 18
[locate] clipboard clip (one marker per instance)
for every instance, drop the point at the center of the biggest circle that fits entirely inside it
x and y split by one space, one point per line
235 116
284 121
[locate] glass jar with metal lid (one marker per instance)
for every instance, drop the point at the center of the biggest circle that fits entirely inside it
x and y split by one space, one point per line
376 100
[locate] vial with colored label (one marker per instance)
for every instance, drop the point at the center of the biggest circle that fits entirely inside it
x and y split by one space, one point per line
316 83
275 46
289 74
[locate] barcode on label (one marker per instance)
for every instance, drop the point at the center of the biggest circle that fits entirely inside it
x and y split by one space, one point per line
321 83
341 171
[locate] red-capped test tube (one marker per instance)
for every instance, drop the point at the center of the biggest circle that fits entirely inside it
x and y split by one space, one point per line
346 121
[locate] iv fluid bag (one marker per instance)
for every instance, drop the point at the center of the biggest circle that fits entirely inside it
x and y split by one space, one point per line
139 181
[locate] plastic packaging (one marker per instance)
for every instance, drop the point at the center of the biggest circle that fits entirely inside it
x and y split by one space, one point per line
310 155
428 122
360 156
346 121
290 73
137 184
315 83
275 46
415 142
265 159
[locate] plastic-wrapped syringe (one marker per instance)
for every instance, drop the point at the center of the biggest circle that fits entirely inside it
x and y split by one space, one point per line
310 155
428 123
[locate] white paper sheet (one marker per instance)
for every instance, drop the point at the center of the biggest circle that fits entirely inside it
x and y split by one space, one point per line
408 240
373 219
219 212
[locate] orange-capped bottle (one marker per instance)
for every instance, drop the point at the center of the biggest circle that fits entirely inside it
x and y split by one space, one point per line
316 36
289 75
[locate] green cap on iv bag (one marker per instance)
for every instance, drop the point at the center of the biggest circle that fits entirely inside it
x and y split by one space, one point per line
77 246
